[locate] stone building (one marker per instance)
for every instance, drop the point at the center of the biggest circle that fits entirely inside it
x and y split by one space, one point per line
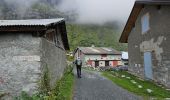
27 49
98 56
147 34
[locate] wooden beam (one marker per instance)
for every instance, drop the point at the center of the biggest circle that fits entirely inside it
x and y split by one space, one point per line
21 28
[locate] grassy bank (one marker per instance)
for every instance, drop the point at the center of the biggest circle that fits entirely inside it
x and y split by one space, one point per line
143 88
64 88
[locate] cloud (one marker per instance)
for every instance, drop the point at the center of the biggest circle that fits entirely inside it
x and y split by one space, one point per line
20 5
98 11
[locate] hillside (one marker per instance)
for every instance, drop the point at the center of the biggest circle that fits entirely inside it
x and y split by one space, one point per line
88 35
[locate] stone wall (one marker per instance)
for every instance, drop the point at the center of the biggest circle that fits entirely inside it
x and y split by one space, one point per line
156 40
22 61
19 63
54 58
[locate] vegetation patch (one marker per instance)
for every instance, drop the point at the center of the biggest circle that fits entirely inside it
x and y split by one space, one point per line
98 35
64 87
133 84
70 58
45 81
2 94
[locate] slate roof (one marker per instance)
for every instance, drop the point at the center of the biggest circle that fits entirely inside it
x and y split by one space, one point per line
138 6
30 22
98 50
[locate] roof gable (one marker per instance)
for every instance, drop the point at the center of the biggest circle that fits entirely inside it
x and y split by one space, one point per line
138 6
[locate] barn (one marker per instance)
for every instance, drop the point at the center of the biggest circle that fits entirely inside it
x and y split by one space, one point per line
98 56
147 34
30 48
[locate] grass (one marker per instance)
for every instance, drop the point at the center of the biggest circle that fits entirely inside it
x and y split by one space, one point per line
64 88
124 82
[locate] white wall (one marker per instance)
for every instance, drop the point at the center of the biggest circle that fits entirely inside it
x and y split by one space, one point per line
102 63
102 59
98 57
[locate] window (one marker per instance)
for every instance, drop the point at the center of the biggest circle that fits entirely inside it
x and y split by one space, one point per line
57 39
58 36
103 55
106 63
145 23
50 36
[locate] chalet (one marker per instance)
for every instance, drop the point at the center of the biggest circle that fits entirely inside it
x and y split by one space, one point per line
30 48
98 56
147 34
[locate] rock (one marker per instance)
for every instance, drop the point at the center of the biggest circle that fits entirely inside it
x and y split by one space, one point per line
128 77
149 90
123 76
140 86
133 81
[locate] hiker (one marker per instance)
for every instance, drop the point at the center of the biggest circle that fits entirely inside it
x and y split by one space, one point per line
78 63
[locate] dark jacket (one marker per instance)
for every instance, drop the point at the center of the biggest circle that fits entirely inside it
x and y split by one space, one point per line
77 64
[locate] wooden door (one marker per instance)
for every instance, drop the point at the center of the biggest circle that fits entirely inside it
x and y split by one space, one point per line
148 65
96 63
106 63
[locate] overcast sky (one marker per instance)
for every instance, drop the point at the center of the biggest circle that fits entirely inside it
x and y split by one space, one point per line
98 11
20 5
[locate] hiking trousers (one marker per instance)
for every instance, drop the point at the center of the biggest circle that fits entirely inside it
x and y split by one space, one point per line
79 71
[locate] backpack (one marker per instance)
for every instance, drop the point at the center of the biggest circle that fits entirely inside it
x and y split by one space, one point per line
79 62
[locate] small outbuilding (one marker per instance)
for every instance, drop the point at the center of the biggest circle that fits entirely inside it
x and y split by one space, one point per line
125 59
29 49
147 34
98 56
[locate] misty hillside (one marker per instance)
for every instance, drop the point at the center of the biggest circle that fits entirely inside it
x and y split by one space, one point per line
30 9
106 35
88 35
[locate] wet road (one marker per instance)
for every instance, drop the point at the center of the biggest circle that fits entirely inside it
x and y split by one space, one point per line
93 86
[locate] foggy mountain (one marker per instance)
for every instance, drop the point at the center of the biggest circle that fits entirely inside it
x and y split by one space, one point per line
30 9
98 11
80 11
98 20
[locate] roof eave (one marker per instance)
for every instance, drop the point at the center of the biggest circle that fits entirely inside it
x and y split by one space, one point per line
152 2
54 23
130 22
100 54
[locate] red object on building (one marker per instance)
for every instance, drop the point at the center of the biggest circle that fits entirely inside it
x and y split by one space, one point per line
90 62
115 63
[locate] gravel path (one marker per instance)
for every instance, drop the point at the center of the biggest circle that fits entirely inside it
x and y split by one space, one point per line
93 86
